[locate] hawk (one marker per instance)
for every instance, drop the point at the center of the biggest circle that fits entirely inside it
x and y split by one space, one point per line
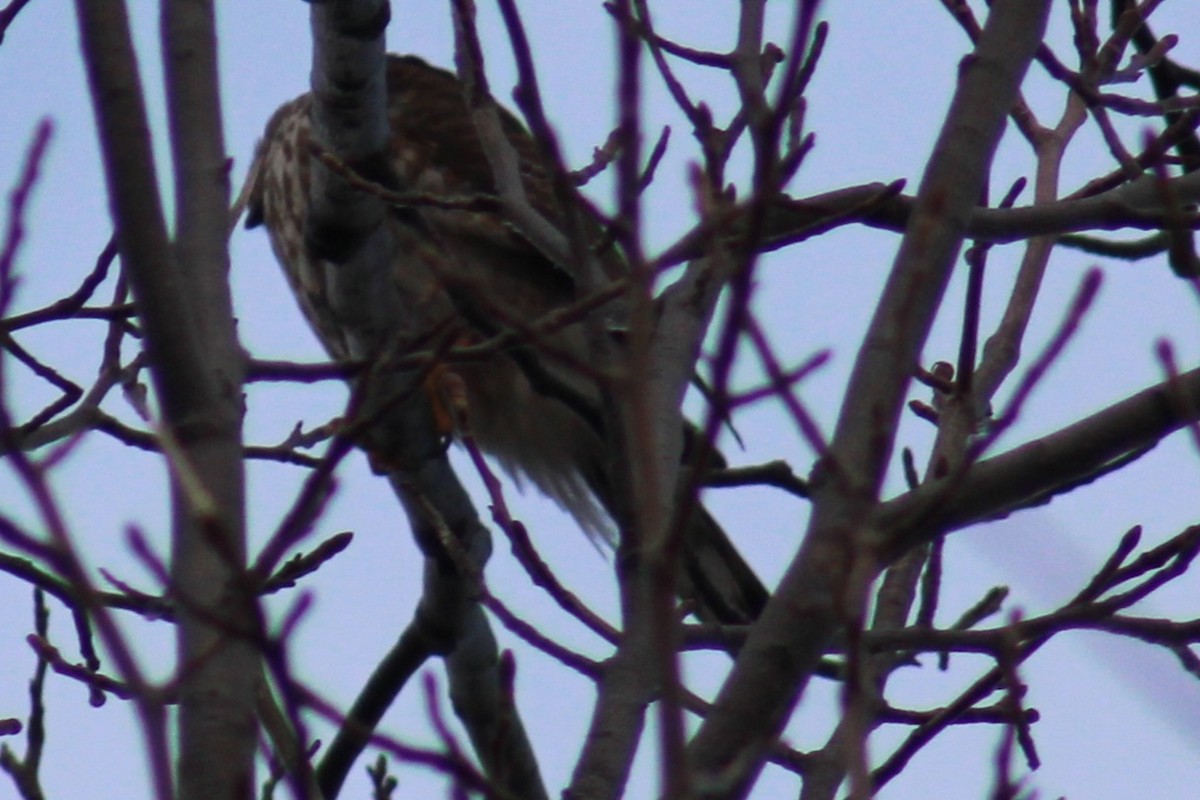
468 271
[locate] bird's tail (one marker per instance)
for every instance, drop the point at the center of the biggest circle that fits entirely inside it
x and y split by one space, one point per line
715 577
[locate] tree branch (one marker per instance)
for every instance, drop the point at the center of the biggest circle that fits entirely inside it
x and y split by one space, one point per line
784 648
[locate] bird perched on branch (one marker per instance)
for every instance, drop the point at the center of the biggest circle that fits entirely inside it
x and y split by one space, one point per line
462 273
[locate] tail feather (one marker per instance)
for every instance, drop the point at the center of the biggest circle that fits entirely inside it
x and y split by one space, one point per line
714 577
722 585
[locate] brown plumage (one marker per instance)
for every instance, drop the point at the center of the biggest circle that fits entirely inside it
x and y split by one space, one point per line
470 274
